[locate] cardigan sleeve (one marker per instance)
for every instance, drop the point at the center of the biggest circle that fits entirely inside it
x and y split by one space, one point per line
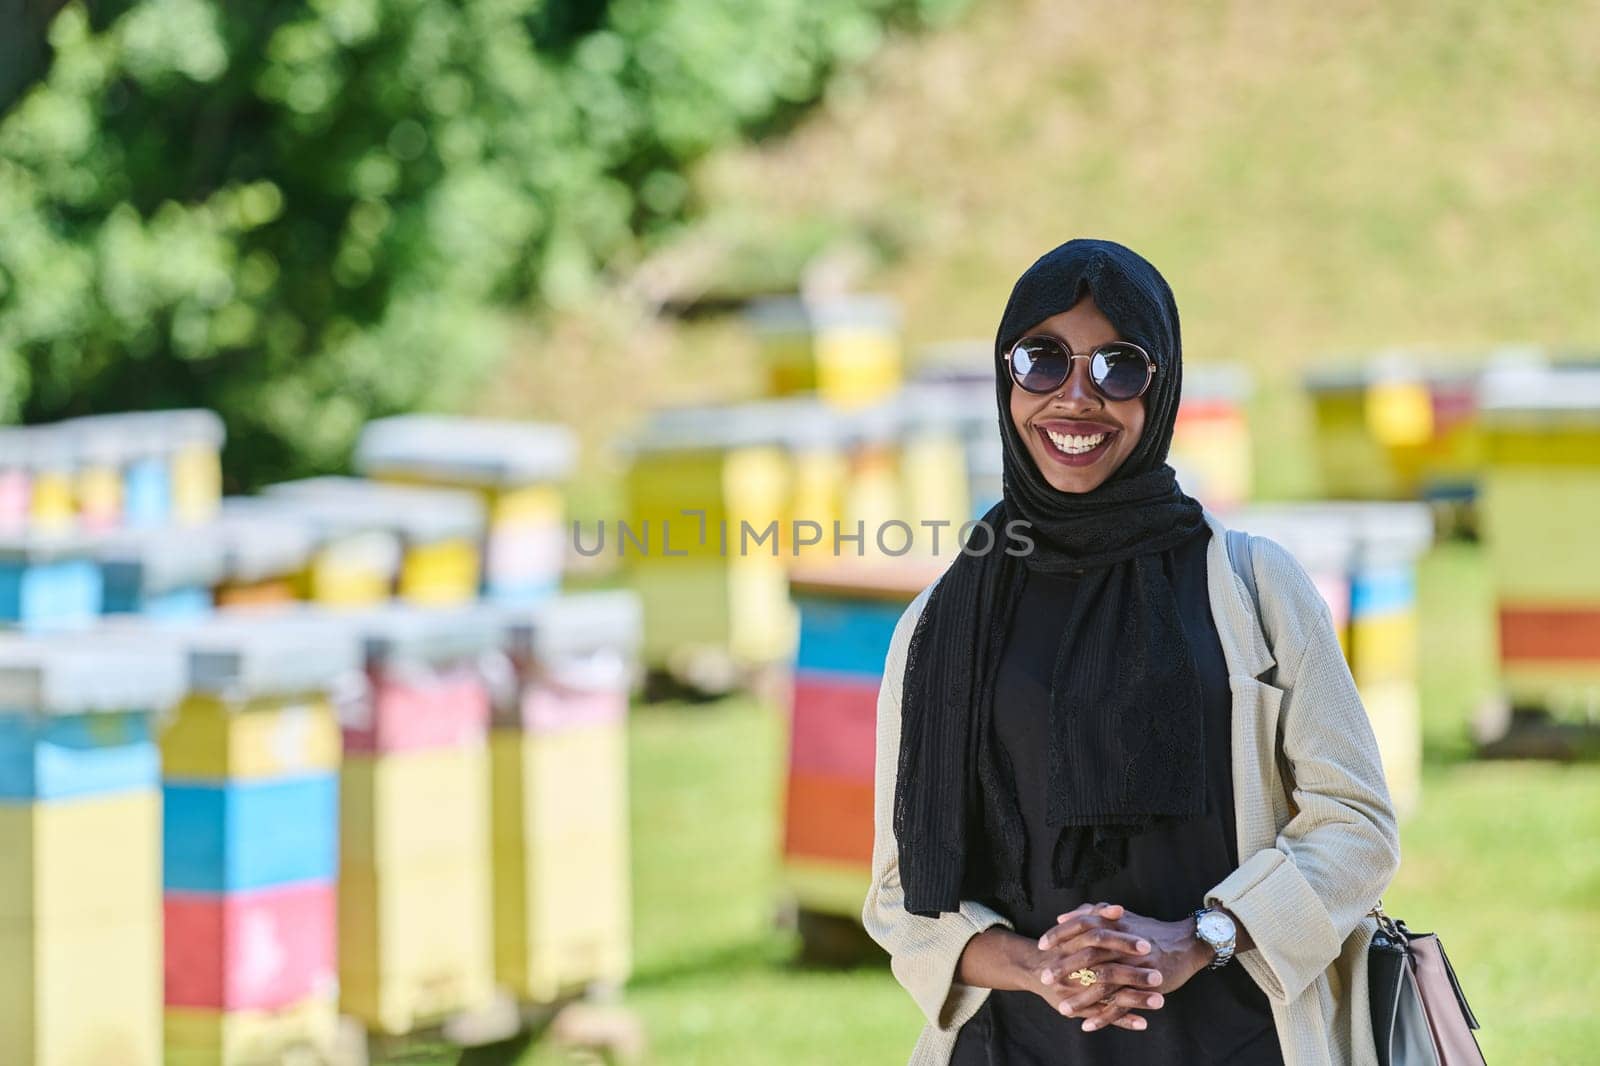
923 952
1301 898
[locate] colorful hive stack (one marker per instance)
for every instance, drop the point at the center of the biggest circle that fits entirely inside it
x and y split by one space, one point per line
1541 507
1363 558
515 467
1383 646
847 617
262 553
49 582
845 349
704 586
562 899
251 765
439 529
161 573
1211 439
414 896
80 832
1407 430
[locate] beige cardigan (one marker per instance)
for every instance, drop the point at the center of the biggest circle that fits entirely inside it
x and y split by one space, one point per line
1315 824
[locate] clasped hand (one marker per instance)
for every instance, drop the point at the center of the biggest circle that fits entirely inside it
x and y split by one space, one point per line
1136 962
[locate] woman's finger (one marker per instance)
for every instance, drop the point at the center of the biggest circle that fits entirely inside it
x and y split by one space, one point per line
1082 907
1057 967
1083 998
1119 1009
1069 937
1071 957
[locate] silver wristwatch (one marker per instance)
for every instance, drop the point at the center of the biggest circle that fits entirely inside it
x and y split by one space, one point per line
1216 929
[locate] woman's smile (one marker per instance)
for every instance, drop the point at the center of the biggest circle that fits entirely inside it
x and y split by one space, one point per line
1076 442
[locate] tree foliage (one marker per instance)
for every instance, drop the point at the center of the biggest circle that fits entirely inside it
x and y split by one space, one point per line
309 213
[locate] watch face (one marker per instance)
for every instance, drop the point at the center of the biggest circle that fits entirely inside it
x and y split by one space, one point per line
1214 927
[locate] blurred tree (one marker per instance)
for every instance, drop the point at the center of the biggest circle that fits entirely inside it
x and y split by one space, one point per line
310 213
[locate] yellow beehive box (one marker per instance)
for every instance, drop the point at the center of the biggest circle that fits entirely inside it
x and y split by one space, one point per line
741 607
212 738
1395 709
561 860
82 992
440 572
440 530
415 940
668 489
90 858
1383 647
198 1037
847 349
411 806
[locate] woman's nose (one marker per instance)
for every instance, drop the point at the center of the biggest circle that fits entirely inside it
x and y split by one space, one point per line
1078 390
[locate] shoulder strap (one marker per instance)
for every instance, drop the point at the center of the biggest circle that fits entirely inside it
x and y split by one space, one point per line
1243 564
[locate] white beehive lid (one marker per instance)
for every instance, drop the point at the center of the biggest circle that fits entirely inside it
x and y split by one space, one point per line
88 674
476 451
418 515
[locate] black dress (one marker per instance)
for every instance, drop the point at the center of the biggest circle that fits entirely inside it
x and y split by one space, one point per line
1218 1016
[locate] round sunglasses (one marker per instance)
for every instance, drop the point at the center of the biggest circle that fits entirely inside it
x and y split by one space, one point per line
1119 370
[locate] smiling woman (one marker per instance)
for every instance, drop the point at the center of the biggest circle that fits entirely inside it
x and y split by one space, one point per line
1080 814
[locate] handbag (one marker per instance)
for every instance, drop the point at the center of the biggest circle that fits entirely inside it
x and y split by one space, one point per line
1420 1016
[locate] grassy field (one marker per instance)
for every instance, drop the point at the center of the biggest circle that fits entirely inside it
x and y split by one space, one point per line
1501 860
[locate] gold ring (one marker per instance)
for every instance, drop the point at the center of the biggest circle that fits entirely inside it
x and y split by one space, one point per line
1083 977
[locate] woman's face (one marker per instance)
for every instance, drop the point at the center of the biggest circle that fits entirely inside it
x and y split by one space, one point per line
1076 436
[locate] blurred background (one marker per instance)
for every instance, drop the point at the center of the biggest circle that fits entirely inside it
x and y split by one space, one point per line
344 343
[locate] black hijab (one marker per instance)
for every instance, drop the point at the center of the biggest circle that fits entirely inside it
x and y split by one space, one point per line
1127 743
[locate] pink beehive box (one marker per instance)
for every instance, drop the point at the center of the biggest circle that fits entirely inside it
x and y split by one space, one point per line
425 679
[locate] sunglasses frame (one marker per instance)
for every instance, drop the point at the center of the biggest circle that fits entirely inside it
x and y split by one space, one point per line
1011 367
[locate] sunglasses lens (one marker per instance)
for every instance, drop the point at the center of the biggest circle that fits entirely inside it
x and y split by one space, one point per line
1120 370
1039 365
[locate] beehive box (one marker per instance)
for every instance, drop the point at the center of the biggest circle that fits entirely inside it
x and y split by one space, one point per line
80 907
847 350
1539 504
353 559
1363 559
1211 449
160 574
516 469
1397 425
414 895
440 530
562 899
251 761
847 618
708 493
49 582
262 554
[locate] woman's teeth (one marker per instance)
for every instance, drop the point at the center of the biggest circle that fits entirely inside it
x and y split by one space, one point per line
1075 445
